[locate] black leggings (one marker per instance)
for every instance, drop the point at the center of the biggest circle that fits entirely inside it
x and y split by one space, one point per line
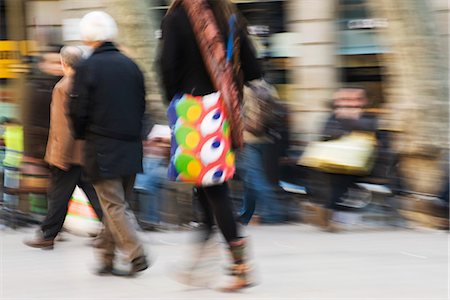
215 202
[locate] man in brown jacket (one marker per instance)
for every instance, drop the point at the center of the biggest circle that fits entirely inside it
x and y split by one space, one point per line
63 154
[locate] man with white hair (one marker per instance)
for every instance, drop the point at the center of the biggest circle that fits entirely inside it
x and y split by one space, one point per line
108 104
63 154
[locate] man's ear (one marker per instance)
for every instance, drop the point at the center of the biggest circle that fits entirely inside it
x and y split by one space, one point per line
63 65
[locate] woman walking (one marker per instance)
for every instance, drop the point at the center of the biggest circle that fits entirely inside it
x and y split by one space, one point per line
206 58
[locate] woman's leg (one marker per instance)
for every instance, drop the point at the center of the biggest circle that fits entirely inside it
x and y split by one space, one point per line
220 204
207 216
339 186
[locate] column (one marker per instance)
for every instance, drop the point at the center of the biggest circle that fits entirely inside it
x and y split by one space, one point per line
313 72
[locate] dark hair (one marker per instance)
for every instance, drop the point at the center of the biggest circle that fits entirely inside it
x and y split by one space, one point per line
222 11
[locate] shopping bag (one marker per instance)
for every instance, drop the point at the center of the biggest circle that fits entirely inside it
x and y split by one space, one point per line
201 151
81 218
13 137
351 154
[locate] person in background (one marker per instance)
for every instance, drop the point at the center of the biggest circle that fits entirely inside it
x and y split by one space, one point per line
107 110
150 184
63 154
252 162
184 71
348 115
36 106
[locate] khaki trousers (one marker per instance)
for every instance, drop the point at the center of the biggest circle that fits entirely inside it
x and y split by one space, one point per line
118 232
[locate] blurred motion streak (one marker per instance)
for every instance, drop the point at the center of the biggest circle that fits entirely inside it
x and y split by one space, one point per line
396 50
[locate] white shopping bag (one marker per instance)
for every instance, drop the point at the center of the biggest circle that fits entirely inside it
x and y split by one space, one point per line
81 218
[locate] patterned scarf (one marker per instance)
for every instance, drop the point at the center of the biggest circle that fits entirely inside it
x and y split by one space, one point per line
212 48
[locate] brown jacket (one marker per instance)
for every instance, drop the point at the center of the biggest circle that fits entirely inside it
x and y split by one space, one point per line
62 150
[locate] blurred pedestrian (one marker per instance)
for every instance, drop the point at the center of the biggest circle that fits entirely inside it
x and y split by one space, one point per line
253 160
151 182
63 154
107 108
36 106
348 116
187 65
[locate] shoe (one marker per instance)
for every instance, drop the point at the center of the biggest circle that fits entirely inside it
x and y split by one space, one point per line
105 270
325 215
139 264
196 268
40 243
109 270
239 274
239 270
333 227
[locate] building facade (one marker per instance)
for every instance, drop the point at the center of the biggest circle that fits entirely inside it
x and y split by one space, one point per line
398 51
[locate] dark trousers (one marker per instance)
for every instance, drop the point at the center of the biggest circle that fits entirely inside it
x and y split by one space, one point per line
62 185
339 185
216 204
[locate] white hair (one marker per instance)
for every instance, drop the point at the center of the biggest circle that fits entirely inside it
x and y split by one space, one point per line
71 55
98 26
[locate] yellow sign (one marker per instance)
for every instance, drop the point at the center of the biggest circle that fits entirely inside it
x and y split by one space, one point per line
11 53
9 56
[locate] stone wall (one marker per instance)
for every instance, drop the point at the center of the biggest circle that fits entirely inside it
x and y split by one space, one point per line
136 38
313 72
417 87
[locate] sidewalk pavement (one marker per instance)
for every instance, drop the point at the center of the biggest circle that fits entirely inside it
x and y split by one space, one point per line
292 262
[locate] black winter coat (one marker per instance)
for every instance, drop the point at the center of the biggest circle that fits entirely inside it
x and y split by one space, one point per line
182 67
36 113
335 128
107 108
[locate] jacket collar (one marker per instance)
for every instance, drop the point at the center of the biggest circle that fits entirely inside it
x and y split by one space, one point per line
106 46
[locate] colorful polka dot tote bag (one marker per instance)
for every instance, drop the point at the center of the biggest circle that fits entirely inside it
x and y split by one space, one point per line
201 150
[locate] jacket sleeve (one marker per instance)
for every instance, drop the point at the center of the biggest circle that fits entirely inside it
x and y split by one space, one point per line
80 102
169 57
145 118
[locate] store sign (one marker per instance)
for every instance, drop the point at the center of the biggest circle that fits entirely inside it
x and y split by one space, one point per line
367 23
9 57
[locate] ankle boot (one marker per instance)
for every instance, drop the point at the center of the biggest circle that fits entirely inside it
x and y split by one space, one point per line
326 221
324 215
239 269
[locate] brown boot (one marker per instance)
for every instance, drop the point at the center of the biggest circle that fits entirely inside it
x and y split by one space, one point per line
41 243
324 215
239 269
326 220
